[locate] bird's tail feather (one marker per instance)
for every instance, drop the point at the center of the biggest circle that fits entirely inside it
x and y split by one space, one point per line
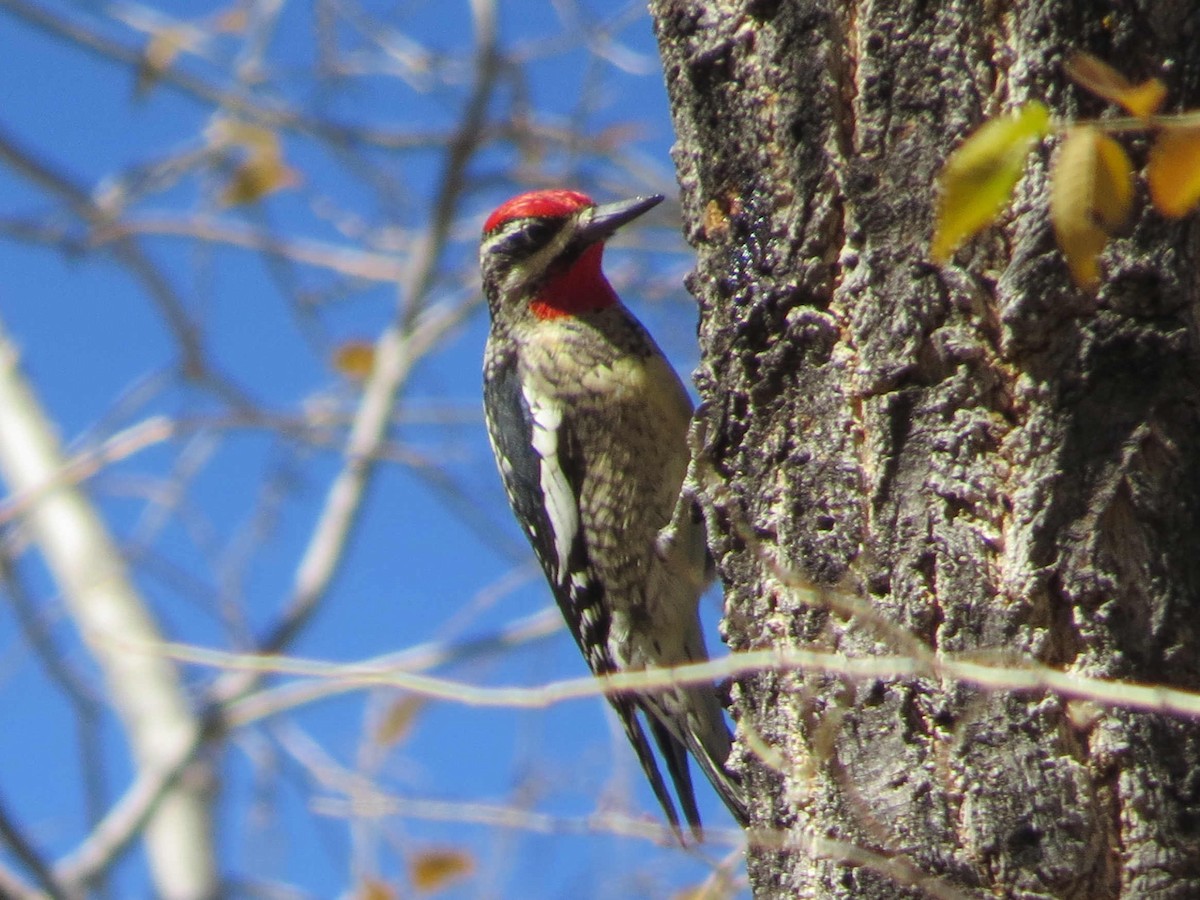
691 719
627 713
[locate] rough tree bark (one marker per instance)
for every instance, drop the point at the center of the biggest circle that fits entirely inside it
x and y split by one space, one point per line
1000 464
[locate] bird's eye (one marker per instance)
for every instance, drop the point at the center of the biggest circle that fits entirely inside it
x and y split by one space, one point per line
539 232
531 236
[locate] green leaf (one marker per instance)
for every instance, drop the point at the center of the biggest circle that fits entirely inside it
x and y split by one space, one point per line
979 177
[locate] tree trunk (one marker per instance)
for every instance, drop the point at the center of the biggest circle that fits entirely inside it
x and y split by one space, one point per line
1003 466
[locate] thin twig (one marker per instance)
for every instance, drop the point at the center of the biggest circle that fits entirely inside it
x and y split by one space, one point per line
79 693
420 658
268 114
126 249
497 816
11 836
1012 675
351 261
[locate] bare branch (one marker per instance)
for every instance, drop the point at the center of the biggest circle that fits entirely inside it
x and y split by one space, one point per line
422 657
125 821
79 693
88 568
1024 676
267 114
397 350
498 816
12 836
351 261
126 250
11 885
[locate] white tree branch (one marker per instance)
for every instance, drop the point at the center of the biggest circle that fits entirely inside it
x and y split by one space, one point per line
87 567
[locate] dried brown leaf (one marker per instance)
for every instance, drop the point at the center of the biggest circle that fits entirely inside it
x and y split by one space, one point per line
432 870
1142 100
355 359
374 889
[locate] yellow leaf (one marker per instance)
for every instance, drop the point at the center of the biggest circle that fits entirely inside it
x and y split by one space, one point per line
161 50
1144 100
259 175
432 870
1141 100
262 170
1091 194
1113 198
355 359
1174 170
397 720
251 138
979 176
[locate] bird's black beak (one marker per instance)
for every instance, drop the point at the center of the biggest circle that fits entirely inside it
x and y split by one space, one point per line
599 222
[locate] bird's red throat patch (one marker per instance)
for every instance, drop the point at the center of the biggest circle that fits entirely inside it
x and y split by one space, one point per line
579 289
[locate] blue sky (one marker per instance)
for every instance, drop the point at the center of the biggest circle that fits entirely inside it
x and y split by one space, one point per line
435 537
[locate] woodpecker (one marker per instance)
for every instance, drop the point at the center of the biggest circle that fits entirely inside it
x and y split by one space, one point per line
589 423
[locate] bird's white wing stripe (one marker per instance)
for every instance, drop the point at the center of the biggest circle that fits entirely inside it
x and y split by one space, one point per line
561 506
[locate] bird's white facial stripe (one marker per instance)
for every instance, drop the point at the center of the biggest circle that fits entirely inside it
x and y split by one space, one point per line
529 270
561 507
